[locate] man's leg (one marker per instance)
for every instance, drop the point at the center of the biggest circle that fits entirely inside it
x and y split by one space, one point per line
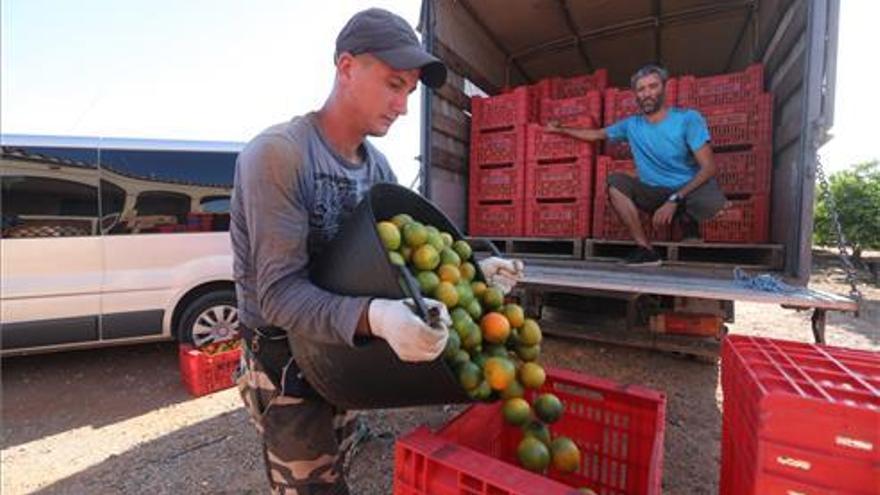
304 439
621 190
701 204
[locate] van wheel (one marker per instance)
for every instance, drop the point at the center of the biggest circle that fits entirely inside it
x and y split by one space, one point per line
212 317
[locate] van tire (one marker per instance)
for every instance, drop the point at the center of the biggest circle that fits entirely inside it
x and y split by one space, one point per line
216 315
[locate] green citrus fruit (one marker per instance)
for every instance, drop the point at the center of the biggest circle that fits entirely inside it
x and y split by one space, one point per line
469 375
406 252
516 411
472 338
396 258
482 392
528 352
463 249
475 310
479 359
548 407
532 375
479 289
401 220
515 315
493 298
447 238
460 358
515 389
436 241
537 430
530 333
415 234
389 234
449 257
428 282
533 454
453 345
465 294
497 350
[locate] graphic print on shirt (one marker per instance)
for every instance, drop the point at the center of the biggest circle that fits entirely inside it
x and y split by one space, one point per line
335 197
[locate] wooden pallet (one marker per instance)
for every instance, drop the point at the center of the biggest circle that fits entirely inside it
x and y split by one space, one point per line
534 247
756 256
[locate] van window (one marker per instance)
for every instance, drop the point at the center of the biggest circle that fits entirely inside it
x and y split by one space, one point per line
48 192
167 191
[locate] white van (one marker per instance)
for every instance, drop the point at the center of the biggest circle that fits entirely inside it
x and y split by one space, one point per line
110 241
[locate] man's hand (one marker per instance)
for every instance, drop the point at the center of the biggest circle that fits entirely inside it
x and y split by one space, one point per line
409 337
502 273
663 216
553 126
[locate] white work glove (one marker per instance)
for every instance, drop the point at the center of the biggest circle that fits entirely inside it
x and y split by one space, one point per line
411 338
502 273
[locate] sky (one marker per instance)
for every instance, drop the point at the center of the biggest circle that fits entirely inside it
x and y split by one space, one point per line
226 69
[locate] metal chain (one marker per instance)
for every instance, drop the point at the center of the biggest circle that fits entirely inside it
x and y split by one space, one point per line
842 245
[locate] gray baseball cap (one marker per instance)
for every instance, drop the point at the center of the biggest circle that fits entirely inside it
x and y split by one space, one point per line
390 38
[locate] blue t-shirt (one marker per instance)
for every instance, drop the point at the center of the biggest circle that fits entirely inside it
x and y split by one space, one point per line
663 151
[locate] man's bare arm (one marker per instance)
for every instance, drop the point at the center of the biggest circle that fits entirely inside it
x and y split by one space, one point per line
706 161
589 135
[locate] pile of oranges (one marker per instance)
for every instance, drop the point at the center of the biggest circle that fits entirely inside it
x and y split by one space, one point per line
493 349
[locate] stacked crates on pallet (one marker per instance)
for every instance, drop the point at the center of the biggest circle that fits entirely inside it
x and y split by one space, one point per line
739 115
618 428
799 418
559 183
606 223
497 163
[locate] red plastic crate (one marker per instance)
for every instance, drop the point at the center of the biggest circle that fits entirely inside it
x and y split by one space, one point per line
744 172
582 110
204 373
545 146
537 92
721 89
570 87
560 180
498 112
496 218
558 218
745 220
748 122
507 146
621 102
619 429
505 182
799 416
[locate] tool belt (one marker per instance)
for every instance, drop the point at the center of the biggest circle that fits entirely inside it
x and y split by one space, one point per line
270 348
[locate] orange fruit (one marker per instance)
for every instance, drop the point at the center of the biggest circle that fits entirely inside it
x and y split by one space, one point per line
467 271
446 293
401 220
496 328
449 273
499 372
479 288
532 375
425 257
515 315
565 455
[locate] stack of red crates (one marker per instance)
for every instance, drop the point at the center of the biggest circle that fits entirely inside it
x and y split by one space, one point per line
499 202
559 183
618 428
799 418
497 163
739 115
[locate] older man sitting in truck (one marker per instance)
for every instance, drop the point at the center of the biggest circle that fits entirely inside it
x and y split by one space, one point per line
673 161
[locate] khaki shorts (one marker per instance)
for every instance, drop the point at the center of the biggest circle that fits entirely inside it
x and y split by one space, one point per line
701 204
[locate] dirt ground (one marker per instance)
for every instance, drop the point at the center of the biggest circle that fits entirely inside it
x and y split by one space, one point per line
119 421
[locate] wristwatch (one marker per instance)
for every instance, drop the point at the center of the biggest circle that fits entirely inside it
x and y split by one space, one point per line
675 198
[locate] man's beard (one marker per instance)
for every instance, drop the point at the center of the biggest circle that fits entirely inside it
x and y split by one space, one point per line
650 106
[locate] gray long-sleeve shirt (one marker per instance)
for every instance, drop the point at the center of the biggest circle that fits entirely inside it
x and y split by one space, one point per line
292 193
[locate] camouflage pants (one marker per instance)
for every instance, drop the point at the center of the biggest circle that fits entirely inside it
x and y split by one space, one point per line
305 440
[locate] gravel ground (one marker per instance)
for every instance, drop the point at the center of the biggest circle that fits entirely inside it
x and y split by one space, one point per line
118 420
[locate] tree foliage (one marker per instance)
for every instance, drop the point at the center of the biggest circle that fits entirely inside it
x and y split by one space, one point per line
856 192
